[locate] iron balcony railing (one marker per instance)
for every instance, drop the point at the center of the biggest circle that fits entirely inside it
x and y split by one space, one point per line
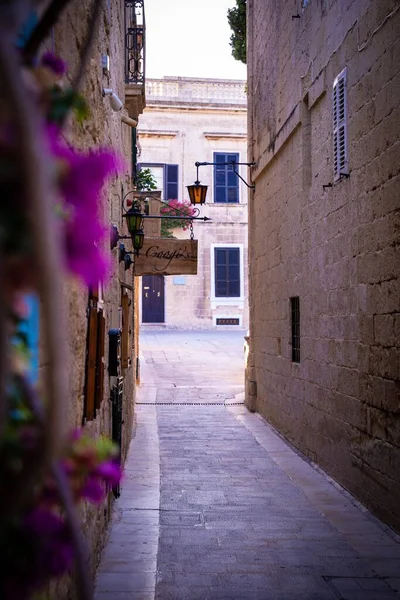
135 30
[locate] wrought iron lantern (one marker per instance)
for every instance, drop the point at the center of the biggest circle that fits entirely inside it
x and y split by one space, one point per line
197 193
134 220
137 240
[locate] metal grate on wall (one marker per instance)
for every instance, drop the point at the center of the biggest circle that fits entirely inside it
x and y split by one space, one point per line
295 319
227 321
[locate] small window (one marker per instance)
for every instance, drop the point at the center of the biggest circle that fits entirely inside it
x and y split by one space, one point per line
295 319
167 179
227 272
226 182
339 106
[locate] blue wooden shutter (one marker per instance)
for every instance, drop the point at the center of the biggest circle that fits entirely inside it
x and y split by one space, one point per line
227 272
171 182
226 182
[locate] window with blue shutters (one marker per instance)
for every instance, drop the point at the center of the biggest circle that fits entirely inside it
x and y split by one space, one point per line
167 179
227 272
226 182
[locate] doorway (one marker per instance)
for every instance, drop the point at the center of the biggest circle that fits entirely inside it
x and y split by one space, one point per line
153 299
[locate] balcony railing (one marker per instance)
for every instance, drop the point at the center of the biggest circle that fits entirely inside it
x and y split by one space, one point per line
135 30
196 91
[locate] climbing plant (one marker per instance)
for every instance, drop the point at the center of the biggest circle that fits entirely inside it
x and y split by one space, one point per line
175 208
145 180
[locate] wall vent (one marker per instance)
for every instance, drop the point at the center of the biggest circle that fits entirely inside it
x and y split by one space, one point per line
227 321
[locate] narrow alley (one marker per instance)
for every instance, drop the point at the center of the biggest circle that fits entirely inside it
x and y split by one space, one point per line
215 505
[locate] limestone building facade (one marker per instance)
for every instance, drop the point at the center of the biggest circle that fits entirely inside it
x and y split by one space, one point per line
188 120
102 391
323 129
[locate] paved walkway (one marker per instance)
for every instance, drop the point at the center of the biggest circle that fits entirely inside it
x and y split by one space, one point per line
216 506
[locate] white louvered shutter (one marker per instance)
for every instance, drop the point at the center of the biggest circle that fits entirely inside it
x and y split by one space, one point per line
339 101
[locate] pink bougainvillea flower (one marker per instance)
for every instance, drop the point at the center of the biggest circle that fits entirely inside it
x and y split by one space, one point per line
54 63
44 522
109 471
60 558
54 550
82 177
93 491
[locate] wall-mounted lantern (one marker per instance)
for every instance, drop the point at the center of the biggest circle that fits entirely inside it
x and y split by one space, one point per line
198 192
134 221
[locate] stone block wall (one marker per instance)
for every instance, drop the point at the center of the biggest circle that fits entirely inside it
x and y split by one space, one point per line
102 128
335 247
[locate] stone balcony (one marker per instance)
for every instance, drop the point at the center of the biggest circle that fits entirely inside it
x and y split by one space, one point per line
201 92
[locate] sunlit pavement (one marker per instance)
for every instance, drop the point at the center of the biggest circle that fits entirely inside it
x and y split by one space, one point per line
215 505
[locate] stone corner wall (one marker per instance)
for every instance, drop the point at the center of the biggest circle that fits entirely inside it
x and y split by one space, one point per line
334 247
102 128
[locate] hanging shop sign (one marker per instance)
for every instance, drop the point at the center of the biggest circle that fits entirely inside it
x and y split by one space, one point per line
164 256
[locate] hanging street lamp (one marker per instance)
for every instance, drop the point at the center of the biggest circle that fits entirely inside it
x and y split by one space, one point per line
197 191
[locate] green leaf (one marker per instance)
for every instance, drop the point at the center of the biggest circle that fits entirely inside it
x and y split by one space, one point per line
145 180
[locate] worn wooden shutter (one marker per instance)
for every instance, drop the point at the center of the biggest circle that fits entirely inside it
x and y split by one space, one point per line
94 293
171 182
339 107
90 387
125 334
100 365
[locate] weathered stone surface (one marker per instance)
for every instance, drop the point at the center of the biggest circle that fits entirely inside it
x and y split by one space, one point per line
102 128
335 247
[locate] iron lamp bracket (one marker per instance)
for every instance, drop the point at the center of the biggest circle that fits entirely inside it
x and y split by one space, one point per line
232 163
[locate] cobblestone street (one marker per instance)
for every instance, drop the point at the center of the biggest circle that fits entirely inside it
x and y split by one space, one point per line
215 505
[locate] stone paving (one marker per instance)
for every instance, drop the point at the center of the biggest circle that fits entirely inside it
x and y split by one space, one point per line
217 506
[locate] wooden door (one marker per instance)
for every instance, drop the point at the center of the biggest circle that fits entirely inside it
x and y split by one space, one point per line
153 299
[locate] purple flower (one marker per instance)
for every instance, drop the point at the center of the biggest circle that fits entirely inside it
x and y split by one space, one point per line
83 176
44 522
93 491
60 558
110 472
53 545
54 63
